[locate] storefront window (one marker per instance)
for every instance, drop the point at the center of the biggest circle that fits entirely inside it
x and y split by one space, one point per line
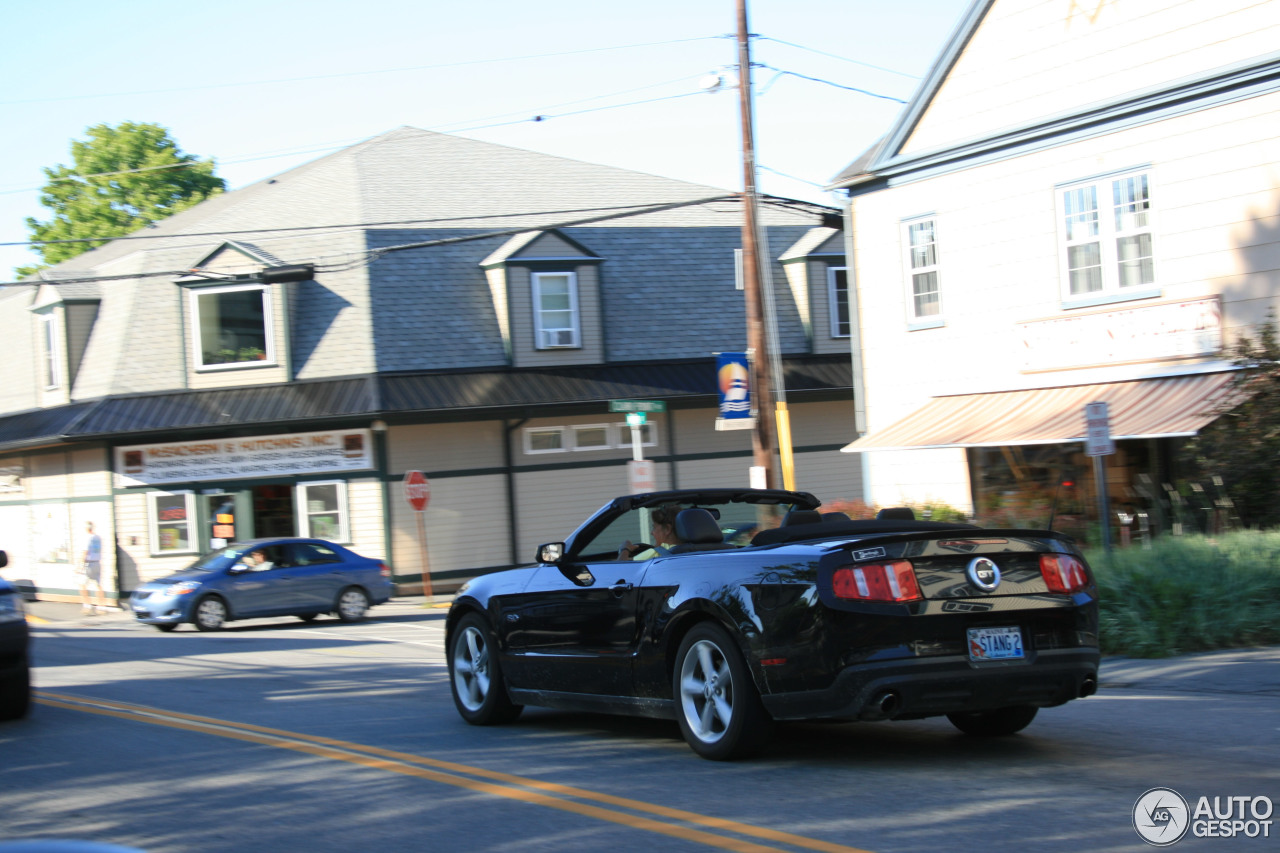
324 510
171 517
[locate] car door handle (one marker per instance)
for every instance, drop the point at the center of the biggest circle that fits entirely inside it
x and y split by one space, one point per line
620 586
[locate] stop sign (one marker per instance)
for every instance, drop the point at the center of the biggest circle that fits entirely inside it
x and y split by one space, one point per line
417 490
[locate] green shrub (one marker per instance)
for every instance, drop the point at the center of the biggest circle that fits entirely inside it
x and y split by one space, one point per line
1189 594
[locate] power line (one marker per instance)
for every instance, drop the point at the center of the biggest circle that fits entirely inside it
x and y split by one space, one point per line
368 257
781 73
841 58
360 73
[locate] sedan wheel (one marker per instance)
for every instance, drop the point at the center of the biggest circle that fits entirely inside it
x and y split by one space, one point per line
352 604
210 613
997 723
717 704
475 677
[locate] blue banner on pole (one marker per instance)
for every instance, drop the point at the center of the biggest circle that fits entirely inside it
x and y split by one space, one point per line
733 375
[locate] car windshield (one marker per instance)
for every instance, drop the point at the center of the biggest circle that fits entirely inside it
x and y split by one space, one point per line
738 522
220 559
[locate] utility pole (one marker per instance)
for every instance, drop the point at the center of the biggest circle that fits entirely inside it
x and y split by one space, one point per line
763 441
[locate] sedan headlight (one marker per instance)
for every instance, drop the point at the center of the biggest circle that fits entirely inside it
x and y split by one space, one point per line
182 588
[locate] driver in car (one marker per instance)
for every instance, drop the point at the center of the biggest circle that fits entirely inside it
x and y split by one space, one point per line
663 532
257 561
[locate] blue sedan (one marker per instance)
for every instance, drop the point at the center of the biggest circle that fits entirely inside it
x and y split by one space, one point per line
261 578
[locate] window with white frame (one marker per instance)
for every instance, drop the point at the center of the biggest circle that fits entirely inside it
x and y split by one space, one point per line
232 326
555 310
172 516
924 288
648 435
592 436
838 299
49 343
544 440
322 510
1106 236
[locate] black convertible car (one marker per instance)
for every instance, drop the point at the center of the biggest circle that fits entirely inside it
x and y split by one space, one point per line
770 610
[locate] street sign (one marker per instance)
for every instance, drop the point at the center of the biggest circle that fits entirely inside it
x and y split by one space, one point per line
417 491
1098 441
635 419
641 476
637 405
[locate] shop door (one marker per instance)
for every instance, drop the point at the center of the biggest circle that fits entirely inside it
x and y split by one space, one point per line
273 512
220 521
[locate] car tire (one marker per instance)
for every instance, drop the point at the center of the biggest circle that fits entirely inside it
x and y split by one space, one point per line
997 723
167 627
475 676
353 604
210 613
717 704
15 695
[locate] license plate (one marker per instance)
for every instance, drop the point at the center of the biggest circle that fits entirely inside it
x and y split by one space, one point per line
995 644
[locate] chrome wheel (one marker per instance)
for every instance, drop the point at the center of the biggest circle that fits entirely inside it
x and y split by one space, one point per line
718 707
706 691
471 668
352 605
475 676
210 614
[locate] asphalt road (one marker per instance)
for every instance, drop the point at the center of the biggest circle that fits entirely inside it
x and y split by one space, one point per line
284 736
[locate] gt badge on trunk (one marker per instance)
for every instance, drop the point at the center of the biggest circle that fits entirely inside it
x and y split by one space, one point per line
983 574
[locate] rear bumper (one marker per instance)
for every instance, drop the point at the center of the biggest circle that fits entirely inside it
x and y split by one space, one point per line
926 687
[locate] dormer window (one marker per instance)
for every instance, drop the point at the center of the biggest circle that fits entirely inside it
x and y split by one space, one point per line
49 337
555 310
232 326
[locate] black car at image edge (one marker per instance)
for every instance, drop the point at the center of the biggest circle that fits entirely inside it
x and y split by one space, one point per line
15 666
770 610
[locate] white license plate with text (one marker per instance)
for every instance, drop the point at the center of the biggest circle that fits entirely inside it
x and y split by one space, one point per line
995 644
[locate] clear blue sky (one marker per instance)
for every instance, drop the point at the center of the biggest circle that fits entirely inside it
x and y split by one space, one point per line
264 86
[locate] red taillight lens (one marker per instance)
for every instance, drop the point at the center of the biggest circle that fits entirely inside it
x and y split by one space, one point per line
384 570
1063 573
876 582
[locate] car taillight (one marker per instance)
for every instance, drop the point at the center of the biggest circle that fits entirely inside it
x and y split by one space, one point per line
1063 573
876 582
384 570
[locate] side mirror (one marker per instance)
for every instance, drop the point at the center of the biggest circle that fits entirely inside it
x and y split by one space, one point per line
550 553
4 559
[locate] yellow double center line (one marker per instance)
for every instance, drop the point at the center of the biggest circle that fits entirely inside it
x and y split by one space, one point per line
676 823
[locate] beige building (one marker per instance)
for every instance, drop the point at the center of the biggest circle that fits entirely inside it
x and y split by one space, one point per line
1081 204
275 360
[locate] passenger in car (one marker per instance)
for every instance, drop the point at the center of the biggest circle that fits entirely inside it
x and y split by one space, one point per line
663 532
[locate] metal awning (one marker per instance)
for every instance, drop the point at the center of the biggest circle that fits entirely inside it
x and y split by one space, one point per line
1145 408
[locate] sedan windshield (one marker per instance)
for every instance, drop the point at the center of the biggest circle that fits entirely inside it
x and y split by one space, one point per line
218 560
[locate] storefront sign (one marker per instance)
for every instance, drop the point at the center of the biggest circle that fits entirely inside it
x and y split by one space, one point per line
1149 333
245 458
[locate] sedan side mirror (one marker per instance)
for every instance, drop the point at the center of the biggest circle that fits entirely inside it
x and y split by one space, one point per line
550 553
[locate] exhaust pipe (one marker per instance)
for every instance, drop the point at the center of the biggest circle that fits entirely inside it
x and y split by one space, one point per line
1088 687
882 706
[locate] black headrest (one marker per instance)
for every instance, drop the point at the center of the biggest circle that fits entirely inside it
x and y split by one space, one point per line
897 513
836 516
697 526
801 516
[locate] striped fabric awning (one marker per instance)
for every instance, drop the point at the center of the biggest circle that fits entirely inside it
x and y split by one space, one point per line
1145 408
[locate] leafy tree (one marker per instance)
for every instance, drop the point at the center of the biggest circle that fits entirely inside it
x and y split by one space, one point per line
124 178
1243 445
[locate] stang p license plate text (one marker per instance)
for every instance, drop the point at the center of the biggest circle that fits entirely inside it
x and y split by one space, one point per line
995 644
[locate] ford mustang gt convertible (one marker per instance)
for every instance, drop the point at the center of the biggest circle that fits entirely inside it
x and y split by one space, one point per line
771 610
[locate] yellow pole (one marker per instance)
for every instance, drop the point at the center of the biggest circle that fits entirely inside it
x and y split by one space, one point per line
784 445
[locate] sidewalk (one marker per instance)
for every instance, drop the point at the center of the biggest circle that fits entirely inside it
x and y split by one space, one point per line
61 612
